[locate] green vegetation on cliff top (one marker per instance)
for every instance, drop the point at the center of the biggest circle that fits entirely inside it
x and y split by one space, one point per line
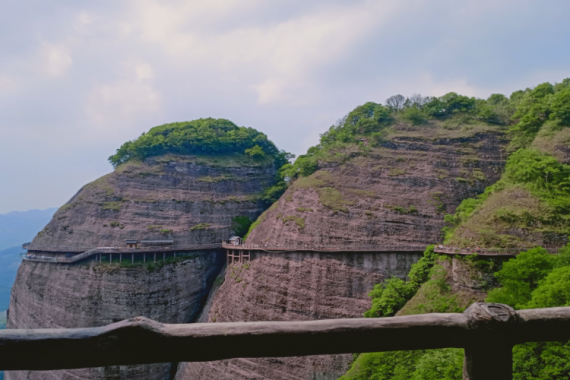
203 137
533 195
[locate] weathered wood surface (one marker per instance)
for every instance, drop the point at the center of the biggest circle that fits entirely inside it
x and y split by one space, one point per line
143 341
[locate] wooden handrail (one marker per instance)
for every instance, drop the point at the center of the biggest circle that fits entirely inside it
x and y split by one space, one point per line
488 333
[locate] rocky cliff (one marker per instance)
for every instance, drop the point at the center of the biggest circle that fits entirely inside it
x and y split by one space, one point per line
49 295
190 199
393 194
528 206
295 286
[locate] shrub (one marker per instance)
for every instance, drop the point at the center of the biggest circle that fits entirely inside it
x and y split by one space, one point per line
201 226
520 276
413 116
241 224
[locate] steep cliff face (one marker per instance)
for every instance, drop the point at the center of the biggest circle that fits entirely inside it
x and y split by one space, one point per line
51 296
295 286
395 194
528 206
190 199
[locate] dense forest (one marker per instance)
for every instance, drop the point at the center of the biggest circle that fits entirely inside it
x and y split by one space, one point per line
537 121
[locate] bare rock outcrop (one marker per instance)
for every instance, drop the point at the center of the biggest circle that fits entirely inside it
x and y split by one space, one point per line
189 199
395 194
296 286
49 295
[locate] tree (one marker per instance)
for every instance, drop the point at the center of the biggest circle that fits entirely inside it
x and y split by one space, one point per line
240 225
255 152
561 107
521 276
396 102
418 101
553 291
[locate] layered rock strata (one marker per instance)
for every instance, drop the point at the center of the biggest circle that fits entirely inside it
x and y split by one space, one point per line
392 195
295 286
188 199
49 295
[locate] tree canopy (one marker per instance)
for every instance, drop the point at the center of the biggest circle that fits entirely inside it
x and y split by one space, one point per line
202 136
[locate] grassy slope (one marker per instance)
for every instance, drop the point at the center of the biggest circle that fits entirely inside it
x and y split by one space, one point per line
514 216
455 127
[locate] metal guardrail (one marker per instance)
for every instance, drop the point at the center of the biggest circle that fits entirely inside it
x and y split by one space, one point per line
488 251
487 332
326 248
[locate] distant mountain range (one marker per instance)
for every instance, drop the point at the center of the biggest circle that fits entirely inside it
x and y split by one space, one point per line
17 228
9 263
21 226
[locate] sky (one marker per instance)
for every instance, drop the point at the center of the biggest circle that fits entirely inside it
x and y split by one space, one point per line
79 78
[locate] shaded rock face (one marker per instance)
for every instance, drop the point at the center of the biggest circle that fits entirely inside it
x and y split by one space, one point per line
395 195
51 296
188 199
191 200
295 286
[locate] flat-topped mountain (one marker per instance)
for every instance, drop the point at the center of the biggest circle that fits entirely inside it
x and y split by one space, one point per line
194 183
376 181
190 199
180 181
392 194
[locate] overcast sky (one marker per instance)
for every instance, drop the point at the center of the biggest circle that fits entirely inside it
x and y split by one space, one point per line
79 78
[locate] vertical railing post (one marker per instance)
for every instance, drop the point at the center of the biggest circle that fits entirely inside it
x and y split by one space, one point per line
493 361
490 355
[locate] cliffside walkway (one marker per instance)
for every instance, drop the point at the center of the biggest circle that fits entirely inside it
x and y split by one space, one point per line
236 253
487 331
487 251
120 251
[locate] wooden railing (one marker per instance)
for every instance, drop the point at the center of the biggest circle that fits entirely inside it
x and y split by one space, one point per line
487 332
487 251
326 248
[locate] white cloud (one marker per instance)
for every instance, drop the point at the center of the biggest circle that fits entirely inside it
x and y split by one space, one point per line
56 59
78 77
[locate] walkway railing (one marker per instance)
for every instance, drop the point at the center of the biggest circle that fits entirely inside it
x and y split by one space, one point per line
111 250
487 251
487 332
124 249
327 248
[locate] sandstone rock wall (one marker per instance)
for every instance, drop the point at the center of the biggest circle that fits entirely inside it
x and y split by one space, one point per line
392 195
52 295
396 194
191 200
296 286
